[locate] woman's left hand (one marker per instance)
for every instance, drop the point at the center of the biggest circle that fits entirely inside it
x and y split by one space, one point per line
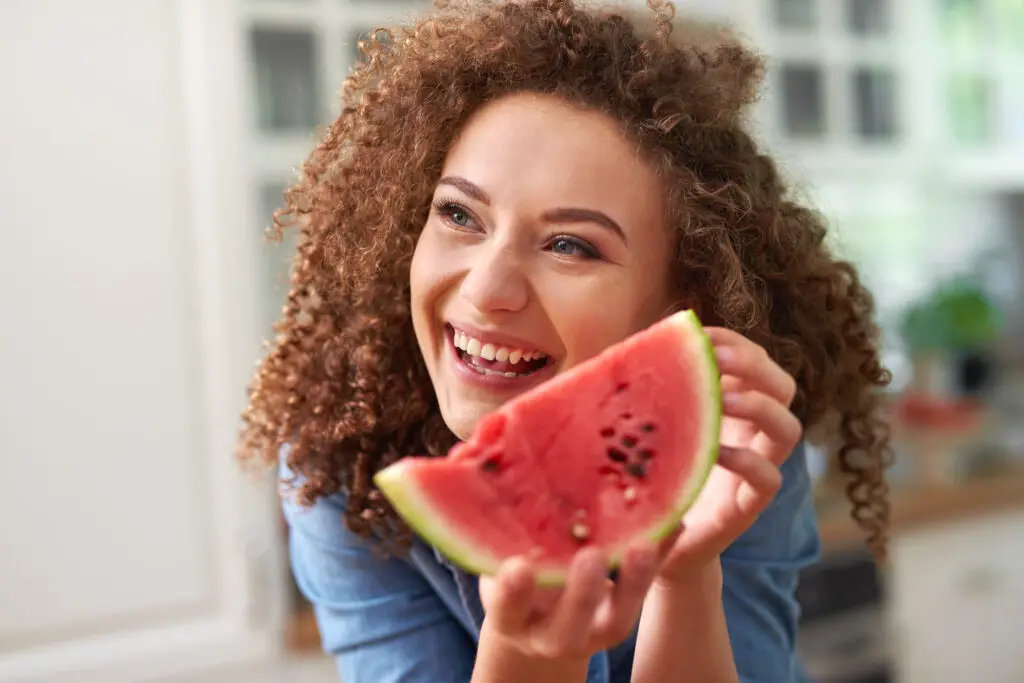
758 434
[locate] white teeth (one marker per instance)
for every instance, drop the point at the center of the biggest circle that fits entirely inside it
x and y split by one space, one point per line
491 352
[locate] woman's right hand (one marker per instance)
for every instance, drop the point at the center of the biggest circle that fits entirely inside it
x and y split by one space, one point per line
589 614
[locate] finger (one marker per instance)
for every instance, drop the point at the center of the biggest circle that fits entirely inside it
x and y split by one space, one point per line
748 362
618 613
759 479
666 544
512 597
585 588
773 419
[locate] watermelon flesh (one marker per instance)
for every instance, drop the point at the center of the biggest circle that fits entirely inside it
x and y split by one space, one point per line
613 449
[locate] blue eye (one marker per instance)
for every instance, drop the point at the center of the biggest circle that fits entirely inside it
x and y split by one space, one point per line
453 213
458 216
572 247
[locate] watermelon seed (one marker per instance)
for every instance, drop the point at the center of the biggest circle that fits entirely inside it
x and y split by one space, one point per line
490 465
630 494
622 386
647 427
608 432
615 455
629 441
580 531
637 470
627 416
645 454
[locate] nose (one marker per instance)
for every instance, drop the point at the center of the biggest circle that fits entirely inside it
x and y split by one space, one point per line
495 280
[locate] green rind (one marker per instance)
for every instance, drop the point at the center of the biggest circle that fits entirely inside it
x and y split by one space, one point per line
405 496
417 512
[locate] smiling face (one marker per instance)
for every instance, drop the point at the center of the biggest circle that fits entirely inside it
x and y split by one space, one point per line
546 243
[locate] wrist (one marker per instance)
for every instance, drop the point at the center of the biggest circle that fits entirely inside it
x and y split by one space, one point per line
500 660
698 581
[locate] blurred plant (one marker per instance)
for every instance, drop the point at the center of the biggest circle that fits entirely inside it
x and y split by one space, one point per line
958 316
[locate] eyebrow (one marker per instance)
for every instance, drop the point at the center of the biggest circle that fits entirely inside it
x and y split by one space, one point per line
558 215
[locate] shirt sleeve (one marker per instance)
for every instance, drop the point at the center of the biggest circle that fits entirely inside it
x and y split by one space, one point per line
760 572
378 616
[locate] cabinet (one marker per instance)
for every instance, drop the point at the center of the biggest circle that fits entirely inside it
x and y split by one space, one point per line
957 601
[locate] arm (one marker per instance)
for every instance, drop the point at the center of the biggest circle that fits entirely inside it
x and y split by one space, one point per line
749 634
384 622
379 618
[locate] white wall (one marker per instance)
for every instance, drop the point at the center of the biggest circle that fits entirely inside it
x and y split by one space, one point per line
120 369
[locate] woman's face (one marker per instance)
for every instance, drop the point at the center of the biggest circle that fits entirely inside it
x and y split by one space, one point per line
546 244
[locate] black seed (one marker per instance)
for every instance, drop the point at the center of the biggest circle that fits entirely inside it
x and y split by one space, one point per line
607 432
628 441
490 465
648 427
645 454
615 455
637 470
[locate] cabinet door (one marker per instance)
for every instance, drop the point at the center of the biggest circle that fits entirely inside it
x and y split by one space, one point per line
958 602
124 525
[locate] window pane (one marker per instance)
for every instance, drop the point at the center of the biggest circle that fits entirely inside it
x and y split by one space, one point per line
287 82
867 17
874 92
970 108
803 100
796 14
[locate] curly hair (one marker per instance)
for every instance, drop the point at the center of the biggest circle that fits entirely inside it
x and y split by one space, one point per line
343 386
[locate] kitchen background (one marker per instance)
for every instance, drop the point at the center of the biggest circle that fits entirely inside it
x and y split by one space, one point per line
145 144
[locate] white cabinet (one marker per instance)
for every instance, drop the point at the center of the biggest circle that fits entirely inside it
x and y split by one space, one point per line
129 548
958 602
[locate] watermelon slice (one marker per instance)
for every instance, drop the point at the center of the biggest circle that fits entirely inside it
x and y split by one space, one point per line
616 448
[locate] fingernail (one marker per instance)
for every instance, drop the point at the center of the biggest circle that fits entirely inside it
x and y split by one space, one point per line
730 398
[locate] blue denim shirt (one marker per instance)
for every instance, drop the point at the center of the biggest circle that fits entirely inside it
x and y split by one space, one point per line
417 618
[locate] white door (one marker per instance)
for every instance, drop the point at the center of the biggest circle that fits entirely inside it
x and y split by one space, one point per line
130 549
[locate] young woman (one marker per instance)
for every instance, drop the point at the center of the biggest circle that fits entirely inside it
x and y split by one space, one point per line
546 179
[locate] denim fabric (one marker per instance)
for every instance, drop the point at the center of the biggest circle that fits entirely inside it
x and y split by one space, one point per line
416 619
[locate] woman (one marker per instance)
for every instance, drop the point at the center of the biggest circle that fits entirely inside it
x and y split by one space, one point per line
547 179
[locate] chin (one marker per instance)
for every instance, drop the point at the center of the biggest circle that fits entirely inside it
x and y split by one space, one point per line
462 417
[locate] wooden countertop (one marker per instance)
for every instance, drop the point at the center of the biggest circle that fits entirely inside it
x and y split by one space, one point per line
927 505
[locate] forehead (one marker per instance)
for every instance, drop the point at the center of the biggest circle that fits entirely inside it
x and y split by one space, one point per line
529 148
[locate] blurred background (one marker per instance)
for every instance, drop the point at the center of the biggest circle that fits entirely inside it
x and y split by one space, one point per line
143 146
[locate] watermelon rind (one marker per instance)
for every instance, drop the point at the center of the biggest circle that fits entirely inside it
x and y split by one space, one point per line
414 506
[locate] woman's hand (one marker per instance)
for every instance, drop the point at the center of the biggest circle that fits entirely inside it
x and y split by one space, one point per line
590 614
758 433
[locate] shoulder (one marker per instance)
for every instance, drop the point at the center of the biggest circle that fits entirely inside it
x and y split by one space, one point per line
375 611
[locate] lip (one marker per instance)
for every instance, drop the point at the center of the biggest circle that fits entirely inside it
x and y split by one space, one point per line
496 338
493 383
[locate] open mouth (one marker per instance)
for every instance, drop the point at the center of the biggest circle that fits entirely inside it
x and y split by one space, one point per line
495 360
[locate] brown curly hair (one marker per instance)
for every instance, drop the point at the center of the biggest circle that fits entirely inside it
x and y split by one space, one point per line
344 387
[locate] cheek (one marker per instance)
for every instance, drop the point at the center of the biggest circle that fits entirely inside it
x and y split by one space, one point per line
588 320
432 274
